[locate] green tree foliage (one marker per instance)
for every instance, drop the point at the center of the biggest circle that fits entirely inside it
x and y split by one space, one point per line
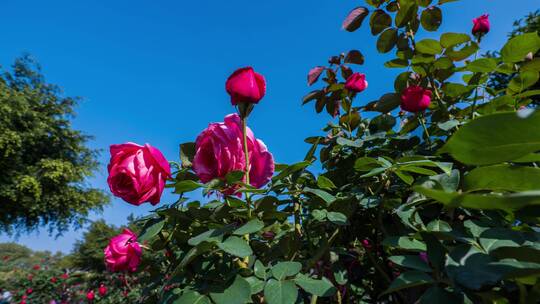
44 162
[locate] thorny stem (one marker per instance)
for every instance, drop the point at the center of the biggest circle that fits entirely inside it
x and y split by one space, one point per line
475 91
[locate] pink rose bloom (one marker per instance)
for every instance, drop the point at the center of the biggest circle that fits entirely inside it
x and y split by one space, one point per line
219 151
481 25
245 85
90 295
123 252
102 290
356 82
415 99
137 173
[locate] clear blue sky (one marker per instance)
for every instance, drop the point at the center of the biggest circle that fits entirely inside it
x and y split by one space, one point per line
154 71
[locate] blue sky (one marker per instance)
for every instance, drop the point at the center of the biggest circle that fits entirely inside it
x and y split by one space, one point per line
154 71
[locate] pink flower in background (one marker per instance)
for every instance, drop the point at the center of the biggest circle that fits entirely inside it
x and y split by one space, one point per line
481 25
102 290
219 151
137 173
356 82
415 99
123 252
90 295
29 291
245 85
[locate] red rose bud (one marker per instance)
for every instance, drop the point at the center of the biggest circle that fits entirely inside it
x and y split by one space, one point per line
90 295
64 276
102 290
24 297
30 277
356 82
245 86
53 280
137 173
29 291
415 99
36 267
481 25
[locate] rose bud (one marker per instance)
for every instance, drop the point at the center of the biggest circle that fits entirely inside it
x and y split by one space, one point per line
415 99
102 290
481 25
366 244
64 276
219 151
137 173
269 235
36 267
424 257
356 82
123 252
53 280
245 86
90 295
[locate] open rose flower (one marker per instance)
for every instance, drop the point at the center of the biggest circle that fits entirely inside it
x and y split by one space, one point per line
481 25
415 99
123 252
137 173
245 86
356 82
219 151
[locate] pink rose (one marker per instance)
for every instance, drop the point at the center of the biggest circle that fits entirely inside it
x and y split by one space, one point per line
102 290
123 252
481 25
245 85
219 151
137 173
356 82
415 99
90 295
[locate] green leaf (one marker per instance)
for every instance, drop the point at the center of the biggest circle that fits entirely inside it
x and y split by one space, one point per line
321 288
405 243
410 261
337 218
387 40
405 177
260 270
256 285
186 186
379 21
234 176
502 178
439 295
438 226
453 39
291 169
151 228
355 18
280 292
212 235
522 81
325 183
509 203
409 279
429 46
325 196
236 246
385 104
285 269
239 292
250 227
463 53
407 11
355 57
518 47
192 297
187 153
482 65
495 138
347 142
431 18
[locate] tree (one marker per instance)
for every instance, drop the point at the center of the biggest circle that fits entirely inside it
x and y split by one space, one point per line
43 160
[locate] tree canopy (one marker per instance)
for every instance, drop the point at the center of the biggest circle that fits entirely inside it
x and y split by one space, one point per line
43 160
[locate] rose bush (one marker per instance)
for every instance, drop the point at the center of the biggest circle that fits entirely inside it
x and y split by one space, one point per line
437 203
